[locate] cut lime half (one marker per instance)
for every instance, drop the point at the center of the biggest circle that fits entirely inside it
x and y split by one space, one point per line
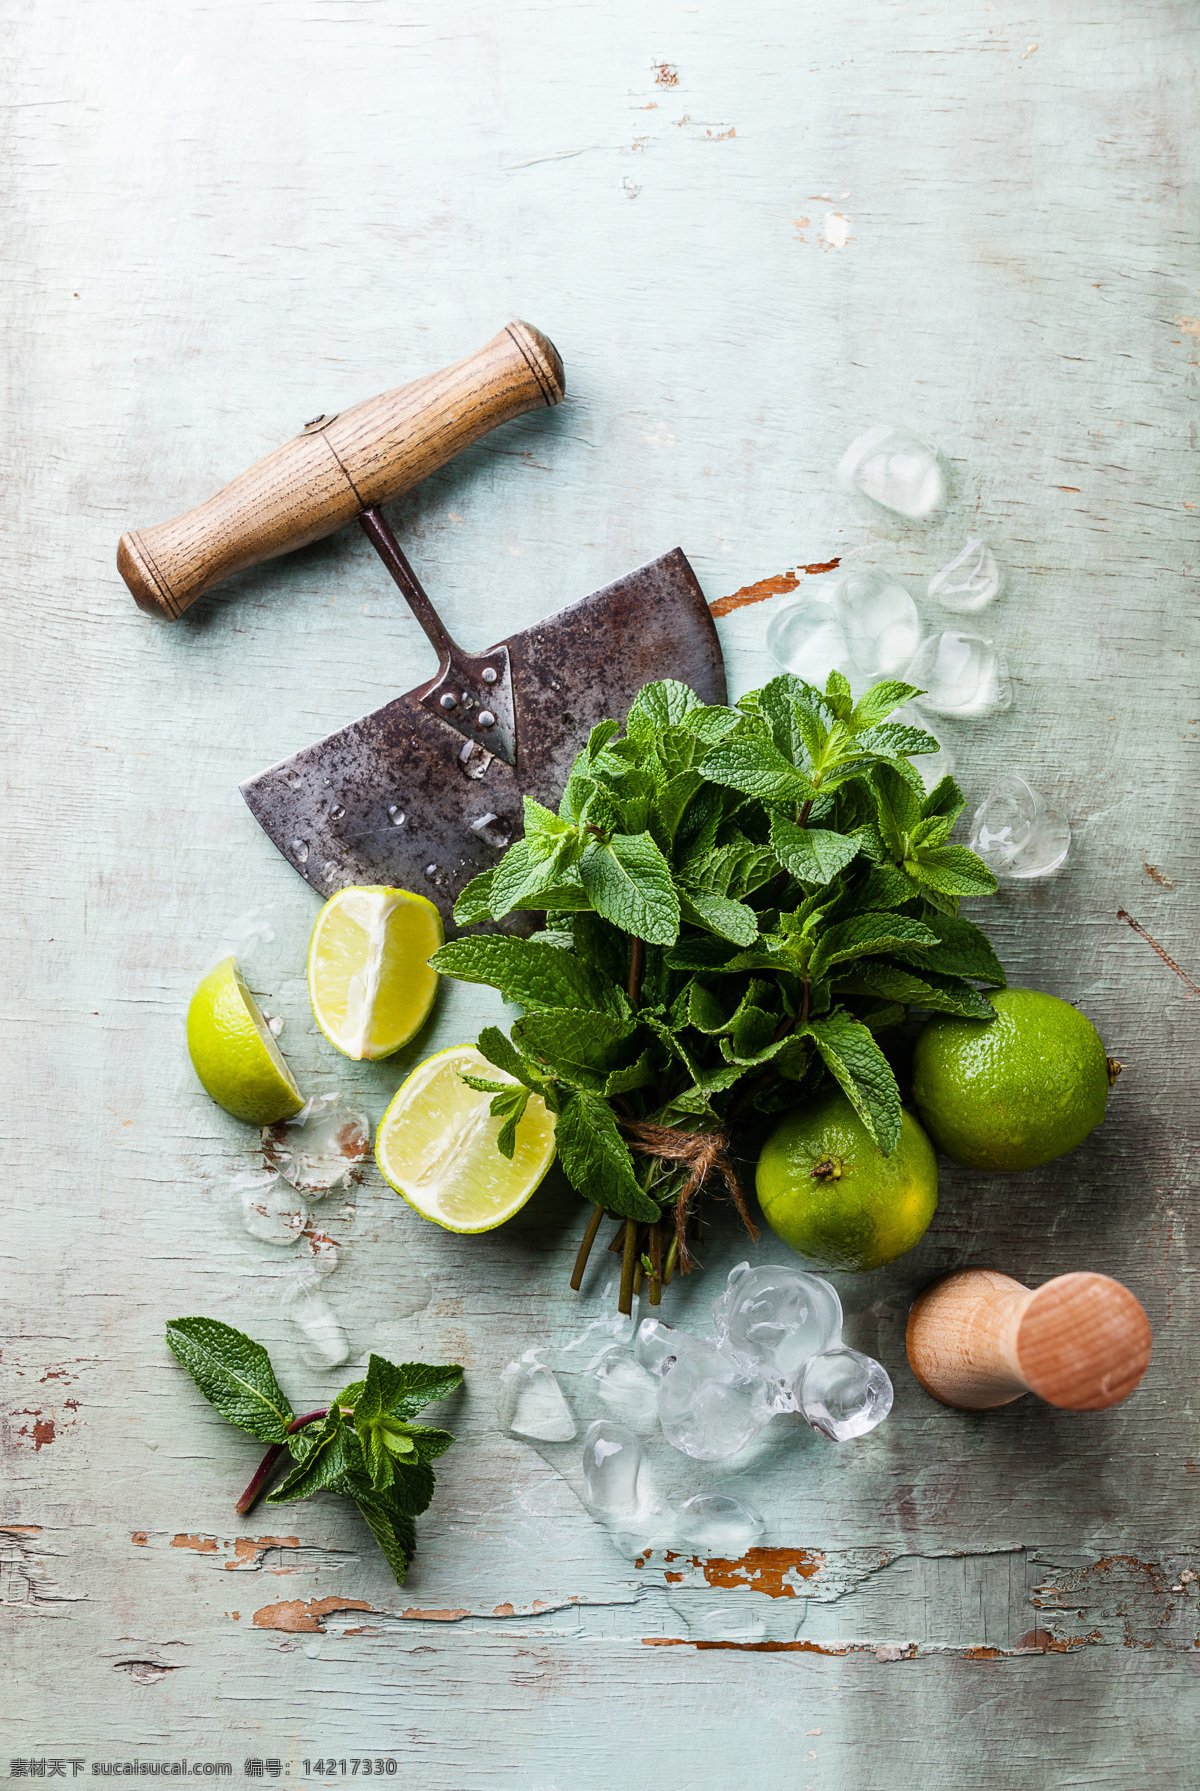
436 1145
369 979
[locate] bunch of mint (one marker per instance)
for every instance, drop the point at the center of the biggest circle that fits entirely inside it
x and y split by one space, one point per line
367 1447
738 901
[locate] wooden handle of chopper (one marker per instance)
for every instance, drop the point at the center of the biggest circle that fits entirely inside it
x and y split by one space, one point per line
337 467
978 1339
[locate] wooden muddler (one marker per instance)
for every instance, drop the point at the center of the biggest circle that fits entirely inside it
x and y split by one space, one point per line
978 1339
339 466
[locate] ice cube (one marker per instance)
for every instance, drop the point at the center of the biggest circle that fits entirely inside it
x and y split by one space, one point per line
715 1524
708 1405
627 1388
532 1403
655 1345
960 674
844 1394
1015 833
933 766
970 581
879 621
272 1211
321 1147
774 1317
307 1307
807 638
612 1460
895 469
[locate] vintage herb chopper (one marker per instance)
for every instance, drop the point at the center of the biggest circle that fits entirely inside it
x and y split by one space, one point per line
424 792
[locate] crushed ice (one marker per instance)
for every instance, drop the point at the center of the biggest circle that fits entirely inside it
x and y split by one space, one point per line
304 1160
321 1147
675 1424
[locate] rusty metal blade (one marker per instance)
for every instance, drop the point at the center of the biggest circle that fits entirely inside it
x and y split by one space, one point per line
401 798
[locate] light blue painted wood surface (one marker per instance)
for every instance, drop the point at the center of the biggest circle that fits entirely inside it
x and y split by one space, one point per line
752 232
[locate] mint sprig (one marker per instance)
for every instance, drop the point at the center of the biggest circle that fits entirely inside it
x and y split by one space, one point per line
367 1447
739 901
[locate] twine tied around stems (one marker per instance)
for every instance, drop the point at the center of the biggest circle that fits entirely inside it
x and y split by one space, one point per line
702 1155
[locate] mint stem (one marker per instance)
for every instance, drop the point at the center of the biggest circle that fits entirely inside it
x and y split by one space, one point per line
585 1249
265 1471
628 1264
637 967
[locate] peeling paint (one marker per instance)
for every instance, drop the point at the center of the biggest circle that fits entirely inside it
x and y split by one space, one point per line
302 1616
774 1571
776 586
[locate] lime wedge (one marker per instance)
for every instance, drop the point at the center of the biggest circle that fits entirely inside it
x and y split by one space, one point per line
436 1145
369 979
233 1053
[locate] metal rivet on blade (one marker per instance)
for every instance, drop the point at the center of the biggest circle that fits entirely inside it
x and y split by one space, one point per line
486 719
448 700
489 674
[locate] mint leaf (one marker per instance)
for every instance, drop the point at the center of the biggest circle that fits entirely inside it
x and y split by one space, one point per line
234 1374
897 806
547 835
945 798
879 702
407 1387
475 902
580 1045
915 987
962 950
885 887
534 976
952 871
795 716
596 1159
734 869
756 766
388 1442
598 739
812 855
395 1533
838 697
657 706
629 883
717 914
423 1441
710 722
323 1461
865 935
503 1053
671 801
406 1495
512 1104
862 1072
893 738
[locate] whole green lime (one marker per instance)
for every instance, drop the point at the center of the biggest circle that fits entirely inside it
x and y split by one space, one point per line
827 1189
1015 1091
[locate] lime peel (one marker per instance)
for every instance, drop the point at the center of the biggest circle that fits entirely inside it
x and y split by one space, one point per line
234 1052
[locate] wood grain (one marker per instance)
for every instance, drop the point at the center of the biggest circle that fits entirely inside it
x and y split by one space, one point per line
337 467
